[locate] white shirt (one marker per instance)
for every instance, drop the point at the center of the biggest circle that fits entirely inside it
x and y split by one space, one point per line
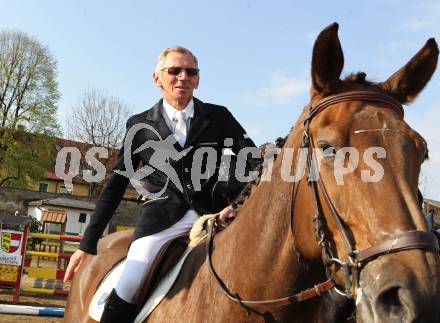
168 113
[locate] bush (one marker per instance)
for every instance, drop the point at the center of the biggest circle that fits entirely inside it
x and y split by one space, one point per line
32 243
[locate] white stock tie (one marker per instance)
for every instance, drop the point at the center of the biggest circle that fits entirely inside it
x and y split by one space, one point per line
180 129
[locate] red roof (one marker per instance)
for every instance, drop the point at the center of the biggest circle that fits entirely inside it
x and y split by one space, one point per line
51 175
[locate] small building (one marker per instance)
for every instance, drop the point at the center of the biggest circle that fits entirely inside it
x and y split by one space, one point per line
79 187
77 214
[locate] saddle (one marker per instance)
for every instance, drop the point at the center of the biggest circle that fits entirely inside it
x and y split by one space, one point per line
171 255
165 260
167 257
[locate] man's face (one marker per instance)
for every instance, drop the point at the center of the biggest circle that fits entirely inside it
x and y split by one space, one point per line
177 89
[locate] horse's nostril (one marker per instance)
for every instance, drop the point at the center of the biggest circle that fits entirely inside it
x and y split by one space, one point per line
394 305
390 301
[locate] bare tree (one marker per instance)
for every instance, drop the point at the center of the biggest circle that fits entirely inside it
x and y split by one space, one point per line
28 106
98 119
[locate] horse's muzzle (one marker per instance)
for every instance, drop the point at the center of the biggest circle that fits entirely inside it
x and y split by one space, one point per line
397 288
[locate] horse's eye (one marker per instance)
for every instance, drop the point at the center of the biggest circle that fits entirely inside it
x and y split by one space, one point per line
327 150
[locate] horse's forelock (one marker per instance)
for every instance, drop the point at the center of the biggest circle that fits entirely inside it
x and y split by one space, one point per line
358 77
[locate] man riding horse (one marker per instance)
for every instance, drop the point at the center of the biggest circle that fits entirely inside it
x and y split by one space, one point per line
193 124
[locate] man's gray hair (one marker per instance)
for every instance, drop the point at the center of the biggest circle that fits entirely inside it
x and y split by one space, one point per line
177 49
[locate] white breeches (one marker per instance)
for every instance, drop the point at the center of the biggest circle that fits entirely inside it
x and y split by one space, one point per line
141 255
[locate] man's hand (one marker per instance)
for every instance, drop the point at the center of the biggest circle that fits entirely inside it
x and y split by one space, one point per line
75 263
227 215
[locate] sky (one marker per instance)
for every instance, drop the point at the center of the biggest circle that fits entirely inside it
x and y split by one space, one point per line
254 56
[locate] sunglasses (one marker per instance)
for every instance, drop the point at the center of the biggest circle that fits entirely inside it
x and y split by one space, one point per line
190 71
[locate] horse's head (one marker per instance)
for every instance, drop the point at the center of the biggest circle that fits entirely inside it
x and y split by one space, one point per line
370 161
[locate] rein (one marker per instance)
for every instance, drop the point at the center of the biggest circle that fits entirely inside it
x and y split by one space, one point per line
309 293
357 258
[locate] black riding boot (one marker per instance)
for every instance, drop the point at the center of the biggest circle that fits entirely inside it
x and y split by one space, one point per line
116 310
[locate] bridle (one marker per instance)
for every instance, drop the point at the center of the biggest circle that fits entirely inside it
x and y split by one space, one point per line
356 258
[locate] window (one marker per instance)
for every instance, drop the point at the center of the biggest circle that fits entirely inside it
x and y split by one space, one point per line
65 190
42 187
82 217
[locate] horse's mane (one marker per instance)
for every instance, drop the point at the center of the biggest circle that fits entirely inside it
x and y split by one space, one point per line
247 190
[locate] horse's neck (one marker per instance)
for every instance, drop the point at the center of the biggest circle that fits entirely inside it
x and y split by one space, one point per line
257 257
256 254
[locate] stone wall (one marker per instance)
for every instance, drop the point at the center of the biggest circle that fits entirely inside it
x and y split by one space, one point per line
12 200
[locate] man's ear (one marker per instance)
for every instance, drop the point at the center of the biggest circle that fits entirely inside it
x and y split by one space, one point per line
156 79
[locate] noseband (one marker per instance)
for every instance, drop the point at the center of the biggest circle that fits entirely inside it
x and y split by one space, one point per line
356 258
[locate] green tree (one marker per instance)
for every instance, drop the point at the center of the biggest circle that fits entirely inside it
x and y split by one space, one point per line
28 107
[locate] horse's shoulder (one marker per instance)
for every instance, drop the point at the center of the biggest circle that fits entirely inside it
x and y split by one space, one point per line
116 241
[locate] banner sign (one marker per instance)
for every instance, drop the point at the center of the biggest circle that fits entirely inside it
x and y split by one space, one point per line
11 247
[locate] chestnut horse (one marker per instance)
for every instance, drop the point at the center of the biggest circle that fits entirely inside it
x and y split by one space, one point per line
373 246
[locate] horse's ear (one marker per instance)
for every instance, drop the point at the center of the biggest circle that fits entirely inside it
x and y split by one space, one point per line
327 61
408 81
